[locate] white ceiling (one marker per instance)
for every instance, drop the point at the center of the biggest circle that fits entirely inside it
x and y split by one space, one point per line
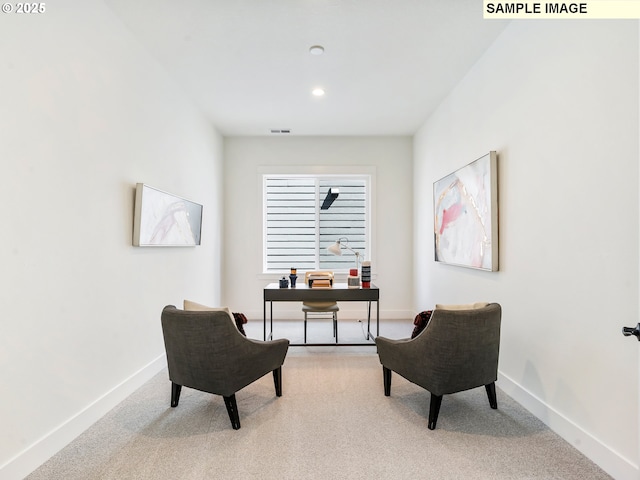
246 63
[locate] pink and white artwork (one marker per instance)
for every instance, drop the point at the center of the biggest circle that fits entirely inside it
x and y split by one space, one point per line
466 215
163 219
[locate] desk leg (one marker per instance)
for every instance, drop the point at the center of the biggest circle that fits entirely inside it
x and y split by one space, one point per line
378 318
368 320
264 321
271 321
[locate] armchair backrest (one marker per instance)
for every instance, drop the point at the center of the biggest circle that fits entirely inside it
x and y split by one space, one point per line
459 349
204 349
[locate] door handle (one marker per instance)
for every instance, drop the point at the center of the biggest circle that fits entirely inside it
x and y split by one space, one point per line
628 331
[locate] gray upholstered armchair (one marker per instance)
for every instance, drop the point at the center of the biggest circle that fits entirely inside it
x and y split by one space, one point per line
458 350
205 351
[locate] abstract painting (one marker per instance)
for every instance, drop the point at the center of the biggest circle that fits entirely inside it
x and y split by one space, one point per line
163 219
466 215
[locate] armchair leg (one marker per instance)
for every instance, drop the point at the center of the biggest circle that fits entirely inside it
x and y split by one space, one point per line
277 381
175 394
434 409
386 375
232 410
305 327
491 393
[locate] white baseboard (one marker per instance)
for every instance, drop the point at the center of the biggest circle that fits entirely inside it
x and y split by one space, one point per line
602 455
35 455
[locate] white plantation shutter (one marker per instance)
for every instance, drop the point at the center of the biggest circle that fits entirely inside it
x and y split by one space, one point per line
291 223
298 232
345 218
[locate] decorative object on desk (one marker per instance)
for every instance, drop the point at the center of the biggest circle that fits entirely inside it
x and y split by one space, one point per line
366 274
466 215
293 279
319 278
343 242
284 283
353 280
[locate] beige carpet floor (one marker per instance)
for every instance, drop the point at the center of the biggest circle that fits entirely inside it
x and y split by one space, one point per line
332 422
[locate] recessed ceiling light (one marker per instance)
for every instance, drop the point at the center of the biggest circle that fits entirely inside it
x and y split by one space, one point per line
316 50
318 92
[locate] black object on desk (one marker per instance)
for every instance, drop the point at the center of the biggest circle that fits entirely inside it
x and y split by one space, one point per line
339 292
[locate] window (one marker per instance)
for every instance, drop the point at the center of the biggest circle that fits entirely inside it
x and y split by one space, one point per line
298 229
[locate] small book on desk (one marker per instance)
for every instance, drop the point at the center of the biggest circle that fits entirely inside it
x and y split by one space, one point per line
320 283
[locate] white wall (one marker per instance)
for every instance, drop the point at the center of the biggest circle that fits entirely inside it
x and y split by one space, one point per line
559 102
85 114
247 158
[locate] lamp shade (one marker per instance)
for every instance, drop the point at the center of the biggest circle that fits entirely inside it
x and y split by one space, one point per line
335 249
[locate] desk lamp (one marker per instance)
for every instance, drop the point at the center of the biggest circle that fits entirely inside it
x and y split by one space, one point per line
343 242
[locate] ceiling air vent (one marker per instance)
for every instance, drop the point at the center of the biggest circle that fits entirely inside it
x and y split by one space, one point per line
280 131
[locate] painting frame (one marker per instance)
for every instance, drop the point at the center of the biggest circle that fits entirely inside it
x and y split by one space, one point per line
465 214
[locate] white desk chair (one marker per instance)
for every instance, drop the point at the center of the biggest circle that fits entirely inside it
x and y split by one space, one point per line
320 308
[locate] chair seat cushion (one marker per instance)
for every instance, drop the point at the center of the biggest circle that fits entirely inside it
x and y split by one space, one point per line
323 306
